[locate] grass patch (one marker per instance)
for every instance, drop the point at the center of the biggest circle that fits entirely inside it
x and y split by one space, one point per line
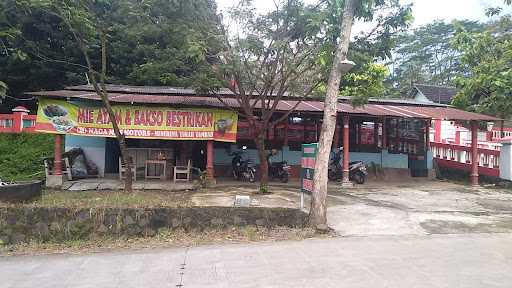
21 155
104 199
165 239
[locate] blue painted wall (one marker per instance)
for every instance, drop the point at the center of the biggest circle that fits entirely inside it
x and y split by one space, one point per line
93 147
385 159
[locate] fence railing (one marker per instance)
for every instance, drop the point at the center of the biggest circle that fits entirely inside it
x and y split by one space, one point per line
459 157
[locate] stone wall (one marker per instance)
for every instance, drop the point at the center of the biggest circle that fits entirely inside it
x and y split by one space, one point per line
24 224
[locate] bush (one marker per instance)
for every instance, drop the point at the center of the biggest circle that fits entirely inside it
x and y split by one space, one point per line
21 155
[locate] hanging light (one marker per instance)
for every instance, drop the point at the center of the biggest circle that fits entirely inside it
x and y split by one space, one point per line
346 65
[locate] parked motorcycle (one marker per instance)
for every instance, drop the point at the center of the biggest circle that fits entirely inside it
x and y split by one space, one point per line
279 170
357 169
242 169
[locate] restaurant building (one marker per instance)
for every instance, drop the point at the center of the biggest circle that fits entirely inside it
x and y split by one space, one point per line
175 125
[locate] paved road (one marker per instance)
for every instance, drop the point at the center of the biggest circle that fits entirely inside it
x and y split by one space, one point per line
466 260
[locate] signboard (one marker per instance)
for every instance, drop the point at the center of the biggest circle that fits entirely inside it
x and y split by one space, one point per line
149 122
307 169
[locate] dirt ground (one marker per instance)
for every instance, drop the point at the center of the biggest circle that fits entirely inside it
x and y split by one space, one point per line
410 207
419 208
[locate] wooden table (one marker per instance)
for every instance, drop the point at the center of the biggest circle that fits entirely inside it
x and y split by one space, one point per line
156 169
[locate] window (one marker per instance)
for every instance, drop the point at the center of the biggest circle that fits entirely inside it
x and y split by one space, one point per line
6 123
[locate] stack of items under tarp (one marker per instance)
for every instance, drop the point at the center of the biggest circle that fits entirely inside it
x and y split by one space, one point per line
81 167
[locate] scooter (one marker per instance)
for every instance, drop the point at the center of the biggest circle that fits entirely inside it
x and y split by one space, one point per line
279 170
242 169
357 169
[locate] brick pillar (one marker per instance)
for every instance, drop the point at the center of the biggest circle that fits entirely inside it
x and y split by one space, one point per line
346 148
57 158
457 137
437 132
210 171
17 118
474 153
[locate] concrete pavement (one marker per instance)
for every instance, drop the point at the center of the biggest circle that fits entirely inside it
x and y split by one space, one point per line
464 260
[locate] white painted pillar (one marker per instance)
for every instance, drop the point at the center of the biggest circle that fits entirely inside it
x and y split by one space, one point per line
506 160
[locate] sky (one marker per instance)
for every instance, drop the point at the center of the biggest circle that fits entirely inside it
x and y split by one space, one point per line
424 11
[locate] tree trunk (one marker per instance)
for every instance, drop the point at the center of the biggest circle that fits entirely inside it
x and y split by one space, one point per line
318 211
502 127
103 93
262 154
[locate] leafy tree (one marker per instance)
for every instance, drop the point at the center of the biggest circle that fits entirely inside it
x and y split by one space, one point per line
3 89
369 82
426 56
39 53
368 48
349 9
289 52
151 42
167 43
486 58
275 57
88 23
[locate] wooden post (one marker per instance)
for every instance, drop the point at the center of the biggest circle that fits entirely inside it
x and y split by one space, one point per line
210 171
474 153
384 134
57 157
336 138
346 148
285 143
376 133
427 135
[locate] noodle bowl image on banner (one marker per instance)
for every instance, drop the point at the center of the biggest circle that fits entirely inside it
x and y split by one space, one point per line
150 122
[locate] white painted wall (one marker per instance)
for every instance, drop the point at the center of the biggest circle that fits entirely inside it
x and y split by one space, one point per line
506 160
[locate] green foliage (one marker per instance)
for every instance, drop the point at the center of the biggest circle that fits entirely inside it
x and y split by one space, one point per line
366 83
3 89
368 48
21 155
152 42
487 59
426 56
274 54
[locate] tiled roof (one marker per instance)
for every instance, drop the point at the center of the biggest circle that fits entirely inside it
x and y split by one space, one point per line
437 94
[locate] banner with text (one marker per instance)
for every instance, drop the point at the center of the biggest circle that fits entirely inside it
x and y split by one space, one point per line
149 122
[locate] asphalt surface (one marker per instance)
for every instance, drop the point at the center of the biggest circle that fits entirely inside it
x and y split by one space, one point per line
463 260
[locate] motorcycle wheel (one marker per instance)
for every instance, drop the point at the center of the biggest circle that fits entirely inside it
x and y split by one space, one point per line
252 177
359 177
284 178
331 175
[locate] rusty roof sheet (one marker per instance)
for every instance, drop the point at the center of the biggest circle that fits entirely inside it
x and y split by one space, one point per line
374 108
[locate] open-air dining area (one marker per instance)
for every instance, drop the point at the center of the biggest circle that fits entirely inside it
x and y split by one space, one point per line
158 163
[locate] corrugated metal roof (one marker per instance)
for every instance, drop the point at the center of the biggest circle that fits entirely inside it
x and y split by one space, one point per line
152 90
374 108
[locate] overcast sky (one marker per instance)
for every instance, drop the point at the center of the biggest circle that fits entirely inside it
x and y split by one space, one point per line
424 11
